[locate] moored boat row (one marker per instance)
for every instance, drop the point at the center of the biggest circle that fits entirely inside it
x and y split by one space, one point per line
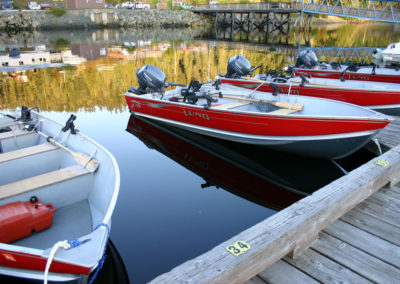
380 96
299 124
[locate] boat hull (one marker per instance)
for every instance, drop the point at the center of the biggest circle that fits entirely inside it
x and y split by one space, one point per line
357 76
316 136
386 101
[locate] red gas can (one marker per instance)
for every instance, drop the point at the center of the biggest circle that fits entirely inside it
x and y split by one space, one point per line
17 220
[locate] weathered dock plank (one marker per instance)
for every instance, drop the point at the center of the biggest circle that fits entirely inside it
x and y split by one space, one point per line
324 269
391 192
366 265
282 272
373 225
395 189
380 212
362 240
385 200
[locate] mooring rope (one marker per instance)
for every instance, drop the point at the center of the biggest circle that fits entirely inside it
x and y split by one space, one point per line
72 244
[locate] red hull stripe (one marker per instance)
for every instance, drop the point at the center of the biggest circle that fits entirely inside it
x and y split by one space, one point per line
250 123
331 74
34 262
362 97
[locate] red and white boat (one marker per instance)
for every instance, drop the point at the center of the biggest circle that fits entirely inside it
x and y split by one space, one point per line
56 184
389 56
383 97
303 125
334 70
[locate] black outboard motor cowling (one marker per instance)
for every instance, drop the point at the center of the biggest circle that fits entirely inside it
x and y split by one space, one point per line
150 77
307 58
238 66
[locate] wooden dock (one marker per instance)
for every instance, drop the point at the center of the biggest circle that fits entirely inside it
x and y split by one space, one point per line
363 246
346 232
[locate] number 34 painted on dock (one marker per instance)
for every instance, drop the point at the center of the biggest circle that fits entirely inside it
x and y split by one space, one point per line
238 248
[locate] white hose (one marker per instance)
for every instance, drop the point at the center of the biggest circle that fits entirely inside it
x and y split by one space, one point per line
61 244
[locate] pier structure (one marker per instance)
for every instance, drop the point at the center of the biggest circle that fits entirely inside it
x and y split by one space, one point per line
264 17
347 231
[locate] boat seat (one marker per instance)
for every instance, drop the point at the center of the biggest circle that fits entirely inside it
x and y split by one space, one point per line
180 98
43 180
283 111
231 105
28 151
12 134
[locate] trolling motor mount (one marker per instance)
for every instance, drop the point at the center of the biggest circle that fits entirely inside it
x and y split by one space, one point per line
275 89
303 80
69 125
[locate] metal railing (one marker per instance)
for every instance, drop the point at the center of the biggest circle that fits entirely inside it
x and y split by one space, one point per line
246 6
378 10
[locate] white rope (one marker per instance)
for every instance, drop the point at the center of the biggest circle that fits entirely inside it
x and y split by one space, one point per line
61 244
253 91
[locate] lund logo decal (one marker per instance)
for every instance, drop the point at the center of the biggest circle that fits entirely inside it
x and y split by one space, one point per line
135 104
194 114
359 77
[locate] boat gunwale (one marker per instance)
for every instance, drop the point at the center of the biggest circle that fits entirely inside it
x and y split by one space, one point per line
296 138
302 69
377 116
325 86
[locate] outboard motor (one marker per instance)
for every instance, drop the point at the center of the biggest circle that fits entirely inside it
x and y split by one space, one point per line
306 58
149 77
238 66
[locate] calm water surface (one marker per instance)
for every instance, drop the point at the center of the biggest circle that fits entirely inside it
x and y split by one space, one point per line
181 194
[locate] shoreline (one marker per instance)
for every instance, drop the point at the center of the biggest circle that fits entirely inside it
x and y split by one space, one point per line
27 20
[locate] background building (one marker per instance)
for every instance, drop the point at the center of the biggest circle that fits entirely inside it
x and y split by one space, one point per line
84 4
6 4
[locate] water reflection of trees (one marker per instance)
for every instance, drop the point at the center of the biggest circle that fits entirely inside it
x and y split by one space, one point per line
84 87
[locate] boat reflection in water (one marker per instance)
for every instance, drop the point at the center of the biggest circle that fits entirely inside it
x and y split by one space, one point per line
270 178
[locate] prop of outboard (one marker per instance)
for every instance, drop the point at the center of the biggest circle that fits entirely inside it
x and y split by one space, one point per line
149 77
307 58
239 66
